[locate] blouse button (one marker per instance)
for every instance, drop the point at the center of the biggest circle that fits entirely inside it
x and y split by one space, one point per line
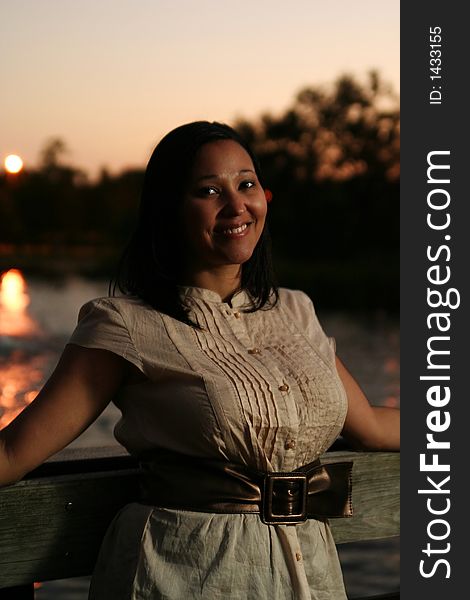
290 445
236 314
254 351
284 387
298 556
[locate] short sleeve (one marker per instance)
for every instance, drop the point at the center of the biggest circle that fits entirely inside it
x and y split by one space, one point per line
306 318
101 325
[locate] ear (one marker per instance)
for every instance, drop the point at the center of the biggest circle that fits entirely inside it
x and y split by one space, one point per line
269 195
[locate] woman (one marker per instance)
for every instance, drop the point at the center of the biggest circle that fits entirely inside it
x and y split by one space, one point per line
214 370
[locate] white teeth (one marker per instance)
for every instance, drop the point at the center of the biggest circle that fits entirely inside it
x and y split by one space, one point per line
236 229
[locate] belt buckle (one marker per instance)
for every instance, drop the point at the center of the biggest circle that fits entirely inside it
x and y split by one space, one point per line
284 500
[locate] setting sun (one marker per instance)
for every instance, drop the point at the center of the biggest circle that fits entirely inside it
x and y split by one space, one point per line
13 163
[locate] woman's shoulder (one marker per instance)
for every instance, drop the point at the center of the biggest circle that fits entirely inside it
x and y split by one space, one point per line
296 301
119 324
114 313
109 305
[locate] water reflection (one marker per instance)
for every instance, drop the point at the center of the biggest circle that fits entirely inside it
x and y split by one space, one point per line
22 377
13 294
20 373
14 300
36 320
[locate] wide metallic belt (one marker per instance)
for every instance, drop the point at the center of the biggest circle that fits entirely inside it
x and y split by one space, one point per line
317 491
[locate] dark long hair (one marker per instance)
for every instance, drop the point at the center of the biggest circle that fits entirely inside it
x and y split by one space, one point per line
153 261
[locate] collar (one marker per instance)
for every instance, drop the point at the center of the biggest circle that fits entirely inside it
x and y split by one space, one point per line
238 300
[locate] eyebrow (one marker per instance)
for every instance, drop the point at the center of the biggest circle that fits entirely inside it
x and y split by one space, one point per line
215 176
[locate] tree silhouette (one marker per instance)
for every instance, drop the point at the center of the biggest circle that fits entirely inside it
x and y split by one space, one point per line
332 161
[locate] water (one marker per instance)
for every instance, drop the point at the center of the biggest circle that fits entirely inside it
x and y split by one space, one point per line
31 341
36 320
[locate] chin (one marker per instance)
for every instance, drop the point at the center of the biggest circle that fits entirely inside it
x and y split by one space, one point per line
238 258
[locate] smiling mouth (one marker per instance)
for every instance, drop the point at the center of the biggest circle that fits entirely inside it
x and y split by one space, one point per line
234 231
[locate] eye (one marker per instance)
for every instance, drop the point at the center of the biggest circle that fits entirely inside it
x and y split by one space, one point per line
208 190
247 184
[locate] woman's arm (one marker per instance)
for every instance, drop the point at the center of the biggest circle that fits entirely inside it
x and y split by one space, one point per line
368 427
83 383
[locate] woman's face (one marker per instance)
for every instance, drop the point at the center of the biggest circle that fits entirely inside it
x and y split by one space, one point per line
224 208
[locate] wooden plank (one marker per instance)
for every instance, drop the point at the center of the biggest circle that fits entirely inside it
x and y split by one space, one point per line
51 526
85 460
376 496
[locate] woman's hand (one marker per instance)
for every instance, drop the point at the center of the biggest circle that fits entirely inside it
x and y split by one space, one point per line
83 383
368 427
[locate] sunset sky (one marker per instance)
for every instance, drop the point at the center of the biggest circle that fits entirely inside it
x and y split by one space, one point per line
110 77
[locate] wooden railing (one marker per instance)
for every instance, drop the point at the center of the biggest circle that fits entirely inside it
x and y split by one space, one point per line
52 522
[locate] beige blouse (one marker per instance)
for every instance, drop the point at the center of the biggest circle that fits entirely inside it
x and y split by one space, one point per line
255 388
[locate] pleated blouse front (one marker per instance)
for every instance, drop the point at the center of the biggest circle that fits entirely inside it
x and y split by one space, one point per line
259 389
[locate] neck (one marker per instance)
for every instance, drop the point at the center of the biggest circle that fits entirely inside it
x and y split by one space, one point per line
223 280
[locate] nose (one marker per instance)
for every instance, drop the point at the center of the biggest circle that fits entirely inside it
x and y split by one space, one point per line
234 203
